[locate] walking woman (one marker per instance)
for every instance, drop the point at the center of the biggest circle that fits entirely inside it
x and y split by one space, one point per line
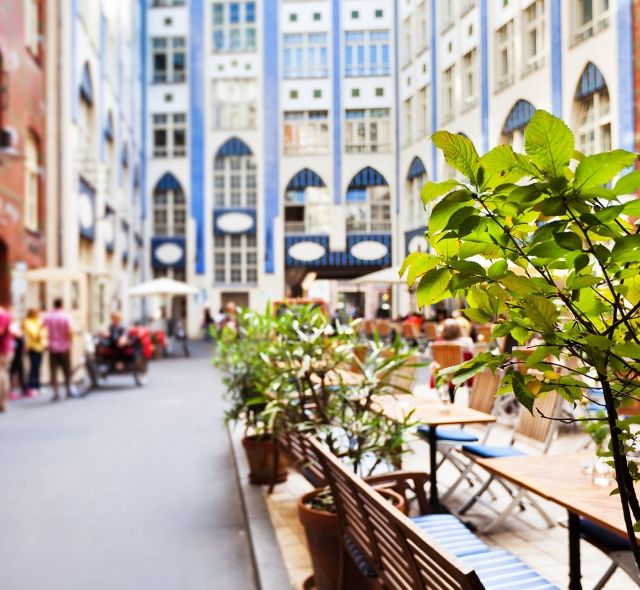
35 342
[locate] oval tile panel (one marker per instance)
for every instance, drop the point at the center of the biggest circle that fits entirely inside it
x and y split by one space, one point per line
306 251
168 253
234 222
418 244
369 250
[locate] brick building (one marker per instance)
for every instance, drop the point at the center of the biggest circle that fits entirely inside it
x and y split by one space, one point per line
22 140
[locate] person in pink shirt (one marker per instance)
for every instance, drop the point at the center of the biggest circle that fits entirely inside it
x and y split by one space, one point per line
6 347
59 333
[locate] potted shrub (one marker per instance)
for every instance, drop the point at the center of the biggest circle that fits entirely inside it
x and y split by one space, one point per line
247 374
546 240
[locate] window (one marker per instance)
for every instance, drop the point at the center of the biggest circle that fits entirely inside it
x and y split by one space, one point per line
309 210
368 209
32 26
31 184
423 112
447 14
305 55
367 53
306 132
422 39
406 41
415 210
407 116
533 36
367 130
234 26
235 259
589 17
594 123
466 6
169 59
169 211
448 94
235 181
469 84
169 135
235 103
168 3
504 56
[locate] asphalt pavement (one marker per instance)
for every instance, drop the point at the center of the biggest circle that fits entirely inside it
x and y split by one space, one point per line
126 489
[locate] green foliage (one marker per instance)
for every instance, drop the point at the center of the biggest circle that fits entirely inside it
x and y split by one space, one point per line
543 245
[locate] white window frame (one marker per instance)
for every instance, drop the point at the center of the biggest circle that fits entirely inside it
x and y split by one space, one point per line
423 31
598 124
470 79
448 14
170 47
448 94
377 211
505 55
306 132
32 26
600 17
415 210
235 103
226 249
424 122
365 132
173 124
32 188
245 31
173 206
533 25
301 47
407 41
235 181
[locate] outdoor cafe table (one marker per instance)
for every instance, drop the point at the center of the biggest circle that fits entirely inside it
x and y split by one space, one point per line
562 479
431 413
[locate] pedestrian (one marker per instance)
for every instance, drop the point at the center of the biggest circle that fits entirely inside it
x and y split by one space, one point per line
35 342
16 372
207 325
60 333
6 345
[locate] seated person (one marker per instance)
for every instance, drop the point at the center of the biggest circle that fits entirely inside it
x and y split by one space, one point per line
118 338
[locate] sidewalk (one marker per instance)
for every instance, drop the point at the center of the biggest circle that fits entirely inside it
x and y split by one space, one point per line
126 489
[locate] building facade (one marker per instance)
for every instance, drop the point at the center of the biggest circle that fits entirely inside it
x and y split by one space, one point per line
97 158
23 211
288 139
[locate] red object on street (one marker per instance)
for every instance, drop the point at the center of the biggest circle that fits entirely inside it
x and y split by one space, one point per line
142 334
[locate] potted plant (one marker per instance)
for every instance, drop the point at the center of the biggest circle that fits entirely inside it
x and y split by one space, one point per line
247 374
548 241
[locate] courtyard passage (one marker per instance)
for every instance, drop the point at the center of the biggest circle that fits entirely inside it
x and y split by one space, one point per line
128 488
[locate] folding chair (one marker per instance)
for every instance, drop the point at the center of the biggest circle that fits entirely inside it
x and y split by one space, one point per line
431 331
531 427
484 332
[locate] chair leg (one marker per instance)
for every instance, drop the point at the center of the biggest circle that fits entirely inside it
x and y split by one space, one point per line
541 511
458 481
472 500
505 513
606 577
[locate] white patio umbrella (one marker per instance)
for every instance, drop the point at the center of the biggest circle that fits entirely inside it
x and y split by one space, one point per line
162 286
388 276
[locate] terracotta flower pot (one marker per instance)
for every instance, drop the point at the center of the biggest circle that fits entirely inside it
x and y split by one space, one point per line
323 539
261 456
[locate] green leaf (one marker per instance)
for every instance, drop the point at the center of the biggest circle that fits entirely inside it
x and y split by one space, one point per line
477 315
631 289
628 184
459 152
420 266
581 261
523 395
505 166
568 240
432 190
549 142
433 286
518 284
497 269
443 210
602 168
542 312
632 208
539 354
628 350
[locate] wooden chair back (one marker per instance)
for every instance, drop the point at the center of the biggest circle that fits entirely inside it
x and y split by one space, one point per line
400 553
383 328
367 327
296 446
446 354
536 428
483 332
409 331
483 392
431 330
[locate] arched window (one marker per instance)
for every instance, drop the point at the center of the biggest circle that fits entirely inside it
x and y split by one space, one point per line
513 128
368 203
592 112
169 207
414 209
235 255
307 204
32 183
234 176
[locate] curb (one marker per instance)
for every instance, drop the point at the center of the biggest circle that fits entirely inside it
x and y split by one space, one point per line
268 565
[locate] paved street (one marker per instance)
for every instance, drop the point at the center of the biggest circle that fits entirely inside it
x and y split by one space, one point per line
127 489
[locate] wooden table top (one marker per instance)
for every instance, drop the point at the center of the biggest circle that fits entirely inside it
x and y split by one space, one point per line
430 412
562 479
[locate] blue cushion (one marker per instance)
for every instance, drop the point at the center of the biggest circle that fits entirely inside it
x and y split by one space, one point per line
359 559
450 434
489 452
600 536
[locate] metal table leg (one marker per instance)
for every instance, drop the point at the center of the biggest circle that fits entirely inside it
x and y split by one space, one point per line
574 552
433 467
